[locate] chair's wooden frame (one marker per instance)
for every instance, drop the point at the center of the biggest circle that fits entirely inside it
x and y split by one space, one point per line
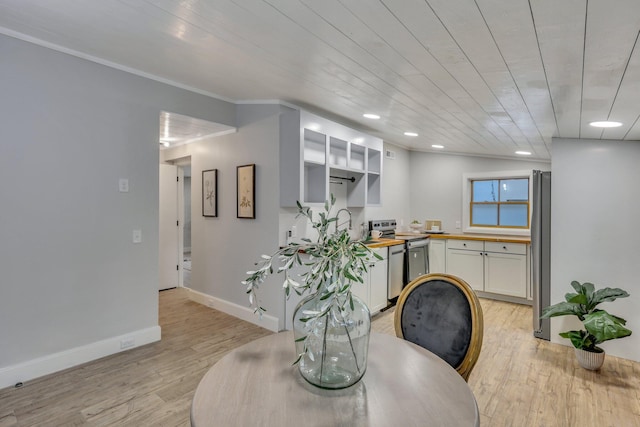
477 326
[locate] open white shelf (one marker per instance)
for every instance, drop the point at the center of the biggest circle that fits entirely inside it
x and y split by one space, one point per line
324 148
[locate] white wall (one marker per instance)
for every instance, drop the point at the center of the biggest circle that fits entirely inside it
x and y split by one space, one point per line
224 248
595 205
436 183
73 283
395 187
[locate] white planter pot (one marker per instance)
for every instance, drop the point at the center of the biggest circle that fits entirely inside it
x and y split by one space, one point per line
590 360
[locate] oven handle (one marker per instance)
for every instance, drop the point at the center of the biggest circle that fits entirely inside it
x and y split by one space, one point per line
418 243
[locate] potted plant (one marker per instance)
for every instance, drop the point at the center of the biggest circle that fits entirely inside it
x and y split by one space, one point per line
415 225
331 325
600 326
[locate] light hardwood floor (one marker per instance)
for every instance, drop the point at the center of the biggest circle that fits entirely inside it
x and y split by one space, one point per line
518 381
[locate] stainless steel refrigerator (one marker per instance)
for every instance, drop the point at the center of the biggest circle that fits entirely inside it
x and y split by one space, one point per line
541 251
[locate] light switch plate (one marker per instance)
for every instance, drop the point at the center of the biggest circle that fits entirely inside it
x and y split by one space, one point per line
137 236
123 185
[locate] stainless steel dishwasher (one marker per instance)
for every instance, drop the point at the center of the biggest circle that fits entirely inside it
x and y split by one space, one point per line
417 258
395 281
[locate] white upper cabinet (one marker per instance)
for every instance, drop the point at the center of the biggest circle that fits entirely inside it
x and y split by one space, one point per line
327 151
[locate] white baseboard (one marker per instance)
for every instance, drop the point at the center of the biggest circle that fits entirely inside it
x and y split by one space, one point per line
267 321
55 362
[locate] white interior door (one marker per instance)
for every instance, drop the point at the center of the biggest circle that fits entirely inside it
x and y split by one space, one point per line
168 234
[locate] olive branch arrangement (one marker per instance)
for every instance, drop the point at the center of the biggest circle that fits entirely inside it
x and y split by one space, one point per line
334 264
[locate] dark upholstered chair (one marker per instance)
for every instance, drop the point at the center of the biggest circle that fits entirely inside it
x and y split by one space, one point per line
441 313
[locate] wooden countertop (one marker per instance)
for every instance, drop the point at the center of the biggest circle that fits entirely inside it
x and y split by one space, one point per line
373 243
482 237
383 243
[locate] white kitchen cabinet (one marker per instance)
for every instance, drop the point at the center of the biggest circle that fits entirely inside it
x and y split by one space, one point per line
374 289
497 268
437 256
506 269
315 151
378 281
468 265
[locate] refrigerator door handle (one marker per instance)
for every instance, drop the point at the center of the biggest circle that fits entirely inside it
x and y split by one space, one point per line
535 252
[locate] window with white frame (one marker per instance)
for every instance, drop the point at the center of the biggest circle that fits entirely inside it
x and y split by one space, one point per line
497 202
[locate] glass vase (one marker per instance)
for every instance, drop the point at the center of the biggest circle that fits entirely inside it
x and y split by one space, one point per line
334 352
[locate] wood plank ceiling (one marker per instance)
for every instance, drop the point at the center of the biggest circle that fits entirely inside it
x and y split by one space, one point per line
482 77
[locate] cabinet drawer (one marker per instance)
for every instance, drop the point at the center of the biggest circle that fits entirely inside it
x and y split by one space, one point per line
383 252
506 248
474 245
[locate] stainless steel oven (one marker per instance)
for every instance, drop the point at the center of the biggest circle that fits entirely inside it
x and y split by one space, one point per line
386 226
406 262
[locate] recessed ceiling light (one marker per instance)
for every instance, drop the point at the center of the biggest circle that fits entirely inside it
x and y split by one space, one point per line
437 146
411 134
523 153
371 116
605 124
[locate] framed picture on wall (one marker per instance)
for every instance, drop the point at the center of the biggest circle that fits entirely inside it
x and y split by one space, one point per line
246 186
210 193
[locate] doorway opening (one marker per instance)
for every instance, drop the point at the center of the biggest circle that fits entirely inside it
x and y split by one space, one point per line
184 170
176 250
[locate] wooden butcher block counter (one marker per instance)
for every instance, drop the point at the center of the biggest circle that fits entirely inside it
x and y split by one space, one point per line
483 237
383 243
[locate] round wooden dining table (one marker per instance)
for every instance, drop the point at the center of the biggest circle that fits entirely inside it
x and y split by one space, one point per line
404 385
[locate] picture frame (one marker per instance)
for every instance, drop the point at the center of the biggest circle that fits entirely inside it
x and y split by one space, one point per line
245 186
210 193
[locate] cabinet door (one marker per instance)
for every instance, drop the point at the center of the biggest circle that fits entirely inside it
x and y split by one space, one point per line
361 290
378 286
467 265
506 274
437 254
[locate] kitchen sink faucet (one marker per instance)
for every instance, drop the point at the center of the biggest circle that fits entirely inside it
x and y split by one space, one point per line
338 218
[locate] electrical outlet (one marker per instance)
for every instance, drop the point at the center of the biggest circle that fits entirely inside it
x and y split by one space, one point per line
127 343
137 236
458 225
123 185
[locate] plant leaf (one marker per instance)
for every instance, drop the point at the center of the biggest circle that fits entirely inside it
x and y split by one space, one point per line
581 340
559 309
588 290
604 326
577 286
577 299
325 296
608 294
